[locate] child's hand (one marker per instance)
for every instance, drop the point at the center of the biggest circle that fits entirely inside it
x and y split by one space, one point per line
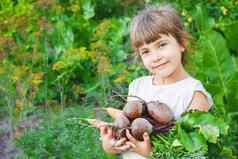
110 144
141 147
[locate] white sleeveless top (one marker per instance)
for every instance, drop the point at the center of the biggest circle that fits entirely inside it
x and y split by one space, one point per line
176 95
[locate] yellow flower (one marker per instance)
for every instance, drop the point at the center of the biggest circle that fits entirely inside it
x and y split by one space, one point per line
104 65
121 77
18 106
36 78
58 65
184 13
190 19
100 48
77 89
102 29
83 53
75 8
77 53
92 55
2 71
19 72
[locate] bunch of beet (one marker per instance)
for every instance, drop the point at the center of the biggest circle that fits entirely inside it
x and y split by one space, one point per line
140 117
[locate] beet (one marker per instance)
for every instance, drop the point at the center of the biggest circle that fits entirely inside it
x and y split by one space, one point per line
121 122
160 112
133 109
139 126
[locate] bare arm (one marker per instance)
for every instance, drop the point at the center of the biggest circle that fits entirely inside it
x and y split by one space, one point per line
199 102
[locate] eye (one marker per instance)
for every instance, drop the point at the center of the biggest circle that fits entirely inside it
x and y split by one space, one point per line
162 44
144 52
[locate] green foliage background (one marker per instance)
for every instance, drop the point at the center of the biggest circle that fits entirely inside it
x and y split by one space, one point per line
62 55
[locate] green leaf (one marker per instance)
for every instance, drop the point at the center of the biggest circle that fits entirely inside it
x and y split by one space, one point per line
216 60
197 119
191 141
210 132
176 143
198 140
231 33
227 153
88 9
232 98
202 21
185 139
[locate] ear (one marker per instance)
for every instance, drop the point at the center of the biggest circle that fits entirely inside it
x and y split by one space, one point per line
182 49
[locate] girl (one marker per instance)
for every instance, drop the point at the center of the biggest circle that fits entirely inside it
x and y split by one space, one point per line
158 37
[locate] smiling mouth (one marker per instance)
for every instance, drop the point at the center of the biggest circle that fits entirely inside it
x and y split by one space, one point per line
161 65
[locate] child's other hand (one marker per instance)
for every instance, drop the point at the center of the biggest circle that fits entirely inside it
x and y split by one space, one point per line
110 144
141 147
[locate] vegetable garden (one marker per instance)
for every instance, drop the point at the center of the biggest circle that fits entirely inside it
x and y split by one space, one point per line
63 60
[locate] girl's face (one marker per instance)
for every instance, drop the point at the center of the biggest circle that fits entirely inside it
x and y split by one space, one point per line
163 56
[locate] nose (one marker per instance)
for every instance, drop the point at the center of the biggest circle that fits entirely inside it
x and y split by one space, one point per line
156 56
